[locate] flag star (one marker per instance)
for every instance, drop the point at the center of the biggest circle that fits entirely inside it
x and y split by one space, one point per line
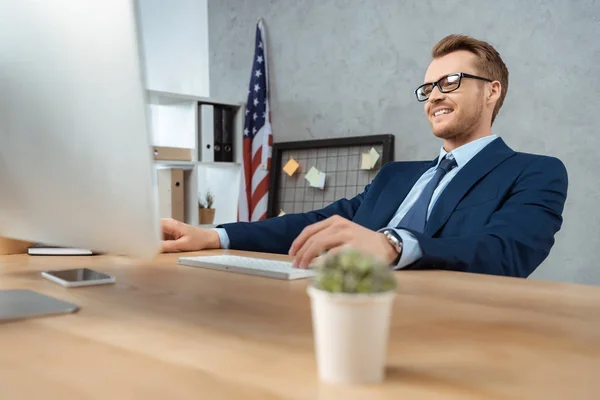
258 74
260 45
247 111
256 87
255 116
255 101
246 131
259 59
254 130
264 115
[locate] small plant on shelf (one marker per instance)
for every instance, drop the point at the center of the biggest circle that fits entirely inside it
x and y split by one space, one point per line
208 201
206 210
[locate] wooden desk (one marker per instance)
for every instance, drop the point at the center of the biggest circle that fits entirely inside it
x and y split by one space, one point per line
172 332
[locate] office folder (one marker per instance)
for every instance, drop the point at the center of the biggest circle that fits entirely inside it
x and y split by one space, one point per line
172 153
171 193
207 138
227 135
218 133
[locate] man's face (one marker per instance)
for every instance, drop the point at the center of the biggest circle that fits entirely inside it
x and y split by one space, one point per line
460 112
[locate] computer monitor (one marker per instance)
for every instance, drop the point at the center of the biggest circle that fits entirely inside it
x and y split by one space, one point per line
75 149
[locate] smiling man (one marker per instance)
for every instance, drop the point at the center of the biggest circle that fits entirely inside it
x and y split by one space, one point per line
477 207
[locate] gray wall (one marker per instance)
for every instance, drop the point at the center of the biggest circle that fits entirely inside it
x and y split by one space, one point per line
175 46
344 68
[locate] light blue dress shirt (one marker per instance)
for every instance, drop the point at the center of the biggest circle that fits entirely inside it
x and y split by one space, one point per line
411 251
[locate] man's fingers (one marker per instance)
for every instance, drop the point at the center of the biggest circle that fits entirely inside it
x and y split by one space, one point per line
332 251
171 227
325 240
338 249
310 231
309 241
305 235
167 236
170 246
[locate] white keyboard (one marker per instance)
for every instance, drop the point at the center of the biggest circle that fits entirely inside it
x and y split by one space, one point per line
248 265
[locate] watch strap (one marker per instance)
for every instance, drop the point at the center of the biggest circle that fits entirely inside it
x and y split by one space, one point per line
395 240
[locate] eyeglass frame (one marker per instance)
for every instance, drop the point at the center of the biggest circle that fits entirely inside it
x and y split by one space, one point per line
437 83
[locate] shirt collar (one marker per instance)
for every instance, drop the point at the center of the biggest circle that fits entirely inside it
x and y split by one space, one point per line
466 152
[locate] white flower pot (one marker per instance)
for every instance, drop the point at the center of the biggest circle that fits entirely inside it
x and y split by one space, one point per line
351 335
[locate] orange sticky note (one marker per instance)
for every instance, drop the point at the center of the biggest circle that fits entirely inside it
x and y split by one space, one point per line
291 167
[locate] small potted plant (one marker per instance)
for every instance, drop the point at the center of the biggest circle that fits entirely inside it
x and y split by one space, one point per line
206 210
351 302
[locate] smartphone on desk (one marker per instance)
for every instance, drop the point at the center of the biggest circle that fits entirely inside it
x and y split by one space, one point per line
78 277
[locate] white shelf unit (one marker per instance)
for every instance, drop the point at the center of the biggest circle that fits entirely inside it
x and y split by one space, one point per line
176 121
186 165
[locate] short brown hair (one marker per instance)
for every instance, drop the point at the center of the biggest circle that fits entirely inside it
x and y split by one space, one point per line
489 63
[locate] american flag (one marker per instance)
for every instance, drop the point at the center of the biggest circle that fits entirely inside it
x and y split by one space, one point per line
258 138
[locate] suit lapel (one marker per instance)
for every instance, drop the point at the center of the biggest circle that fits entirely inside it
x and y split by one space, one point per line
479 166
394 194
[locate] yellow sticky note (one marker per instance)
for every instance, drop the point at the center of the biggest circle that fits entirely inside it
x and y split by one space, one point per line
291 167
312 176
281 212
374 156
366 161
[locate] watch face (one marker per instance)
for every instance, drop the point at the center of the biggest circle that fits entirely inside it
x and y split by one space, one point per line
394 239
393 233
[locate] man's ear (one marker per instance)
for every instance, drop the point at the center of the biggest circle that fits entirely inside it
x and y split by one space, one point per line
494 92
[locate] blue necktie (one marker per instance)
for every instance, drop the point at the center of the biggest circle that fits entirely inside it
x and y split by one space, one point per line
416 217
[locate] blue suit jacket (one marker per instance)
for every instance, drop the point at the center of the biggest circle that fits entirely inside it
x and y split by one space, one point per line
498 215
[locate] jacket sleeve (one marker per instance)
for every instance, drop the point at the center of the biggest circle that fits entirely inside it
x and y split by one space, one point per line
518 236
275 235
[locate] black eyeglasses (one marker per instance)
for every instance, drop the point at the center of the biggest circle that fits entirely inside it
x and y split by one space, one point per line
447 84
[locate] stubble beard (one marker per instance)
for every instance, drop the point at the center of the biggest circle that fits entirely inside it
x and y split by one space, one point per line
464 126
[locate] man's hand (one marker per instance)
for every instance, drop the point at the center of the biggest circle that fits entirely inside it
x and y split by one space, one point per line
336 234
182 237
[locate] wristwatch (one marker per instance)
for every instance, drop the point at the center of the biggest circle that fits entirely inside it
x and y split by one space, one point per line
395 240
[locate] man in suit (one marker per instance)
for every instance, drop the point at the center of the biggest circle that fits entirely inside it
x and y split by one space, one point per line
477 207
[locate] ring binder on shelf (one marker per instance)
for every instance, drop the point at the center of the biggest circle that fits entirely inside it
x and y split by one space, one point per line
218 133
227 148
207 127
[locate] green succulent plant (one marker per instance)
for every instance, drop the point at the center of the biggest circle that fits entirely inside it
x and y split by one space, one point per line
353 272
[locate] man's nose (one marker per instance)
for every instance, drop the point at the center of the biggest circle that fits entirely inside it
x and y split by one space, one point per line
436 95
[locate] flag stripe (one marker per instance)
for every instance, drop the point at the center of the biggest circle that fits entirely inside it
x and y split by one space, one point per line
260 212
259 193
259 173
257 142
244 199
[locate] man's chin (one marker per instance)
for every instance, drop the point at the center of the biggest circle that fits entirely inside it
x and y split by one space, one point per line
442 132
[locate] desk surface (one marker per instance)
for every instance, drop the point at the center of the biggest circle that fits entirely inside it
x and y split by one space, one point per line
169 331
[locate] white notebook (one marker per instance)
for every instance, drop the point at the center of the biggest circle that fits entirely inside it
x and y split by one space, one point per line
40 249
